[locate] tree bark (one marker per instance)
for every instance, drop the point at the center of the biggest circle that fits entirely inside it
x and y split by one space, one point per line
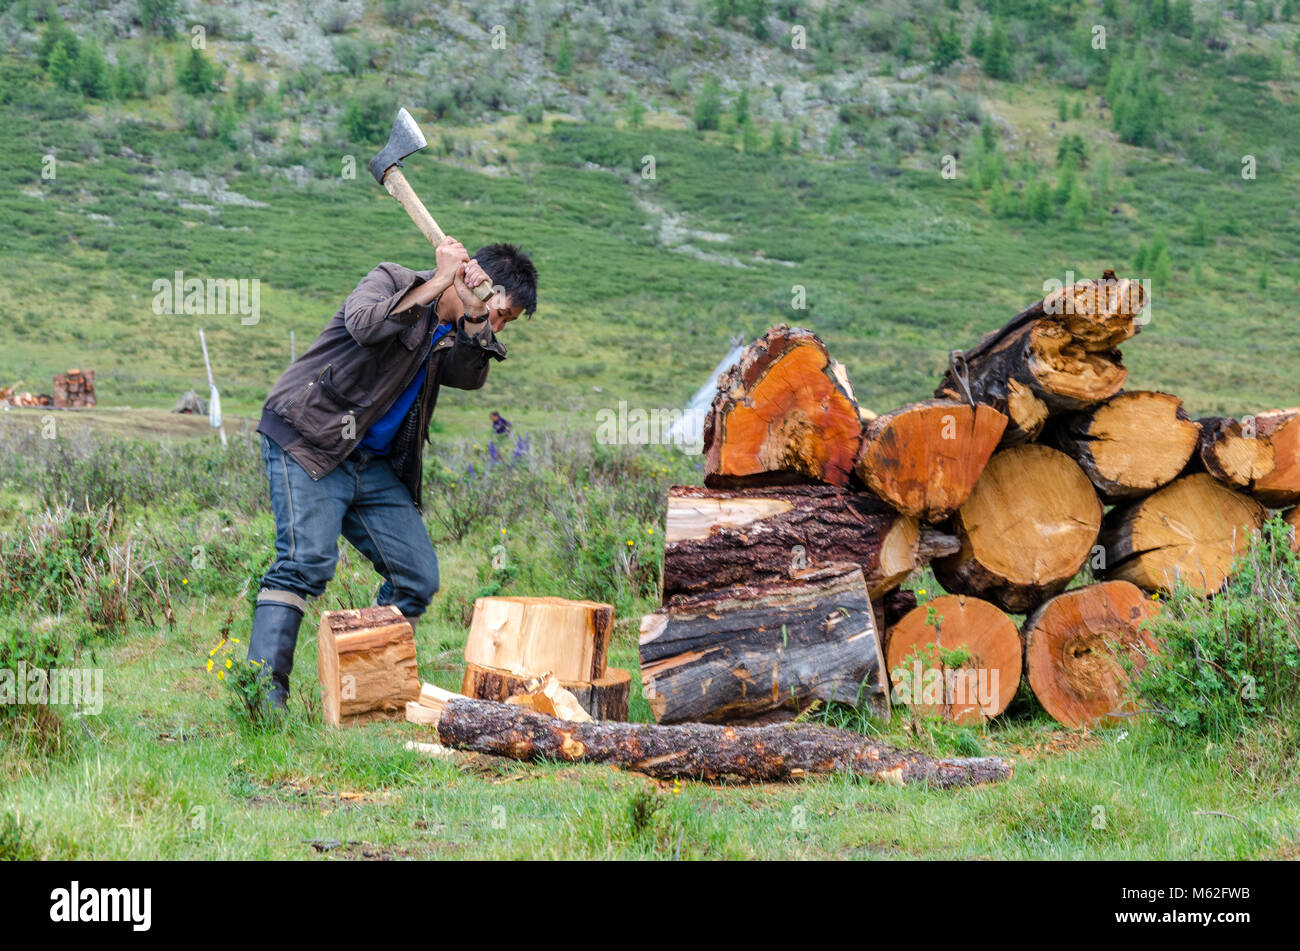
973 691
745 650
702 752
1192 529
925 458
1026 530
783 415
715 538
604 699
1058 355
1072 648
1130 445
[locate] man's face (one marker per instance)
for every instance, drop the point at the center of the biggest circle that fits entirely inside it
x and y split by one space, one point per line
501 309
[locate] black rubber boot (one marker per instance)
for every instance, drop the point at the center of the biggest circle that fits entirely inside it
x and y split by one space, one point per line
274 636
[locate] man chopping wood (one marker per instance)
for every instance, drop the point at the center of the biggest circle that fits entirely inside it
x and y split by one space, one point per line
343 431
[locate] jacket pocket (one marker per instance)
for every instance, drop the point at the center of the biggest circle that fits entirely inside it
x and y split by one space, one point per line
326 414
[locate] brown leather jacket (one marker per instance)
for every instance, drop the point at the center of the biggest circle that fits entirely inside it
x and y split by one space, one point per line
323 404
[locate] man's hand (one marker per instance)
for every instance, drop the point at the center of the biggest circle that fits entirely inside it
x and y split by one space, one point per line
470 275
450 255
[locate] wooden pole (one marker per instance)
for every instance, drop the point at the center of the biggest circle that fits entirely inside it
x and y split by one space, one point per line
212 386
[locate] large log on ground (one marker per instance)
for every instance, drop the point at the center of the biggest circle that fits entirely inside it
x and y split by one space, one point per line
783 414
697 751
1073 645
1026 530
955 657
1130 445
743 651
365 659
1058 355
533 636
714 538
1192 529
925 458
605 699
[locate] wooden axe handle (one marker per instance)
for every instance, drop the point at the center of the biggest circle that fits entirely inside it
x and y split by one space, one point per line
397 185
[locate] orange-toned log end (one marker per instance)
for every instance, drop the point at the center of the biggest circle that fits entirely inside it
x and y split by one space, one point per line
1191 530
925 459
980 678
782 414
1293 519
1026 530
1281 486
1073 646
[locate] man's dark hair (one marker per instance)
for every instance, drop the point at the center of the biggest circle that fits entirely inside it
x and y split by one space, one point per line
509 266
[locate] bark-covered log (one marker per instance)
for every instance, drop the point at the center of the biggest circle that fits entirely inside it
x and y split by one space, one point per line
1130 445
605 698
715 538
925 458
696 751
1073 645
1258 454
1058 355
977 689
745 650
1192 529
783 414
1026 530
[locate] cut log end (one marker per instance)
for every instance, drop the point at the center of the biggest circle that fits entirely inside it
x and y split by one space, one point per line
977 688
1191 530
1073 646
924 459
782 414
1026 530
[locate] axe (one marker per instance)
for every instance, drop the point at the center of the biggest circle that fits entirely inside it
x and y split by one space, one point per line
406 139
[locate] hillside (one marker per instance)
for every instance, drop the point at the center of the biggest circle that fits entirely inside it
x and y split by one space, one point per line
131 155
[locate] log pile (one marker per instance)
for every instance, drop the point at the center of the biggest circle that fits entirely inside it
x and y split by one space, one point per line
1031 464
74 389
12 396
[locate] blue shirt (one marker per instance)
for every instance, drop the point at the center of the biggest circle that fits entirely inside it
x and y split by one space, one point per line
379 437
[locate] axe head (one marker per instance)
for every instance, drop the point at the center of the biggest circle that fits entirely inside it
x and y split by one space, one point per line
405 138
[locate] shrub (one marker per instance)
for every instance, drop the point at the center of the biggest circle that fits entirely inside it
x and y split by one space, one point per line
1234 657
197 74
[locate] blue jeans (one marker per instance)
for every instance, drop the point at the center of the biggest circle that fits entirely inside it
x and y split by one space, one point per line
363 501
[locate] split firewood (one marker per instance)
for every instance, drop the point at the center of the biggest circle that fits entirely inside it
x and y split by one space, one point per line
1026 530
698 751
535 636
1193 529
955 657
1130 445
745 650
783 415
925 458
366 663
715 538
1073 646
548 697
604 699
1058 355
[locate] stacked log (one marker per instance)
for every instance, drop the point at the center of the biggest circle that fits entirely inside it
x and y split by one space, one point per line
1073 649
74 389
515 643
